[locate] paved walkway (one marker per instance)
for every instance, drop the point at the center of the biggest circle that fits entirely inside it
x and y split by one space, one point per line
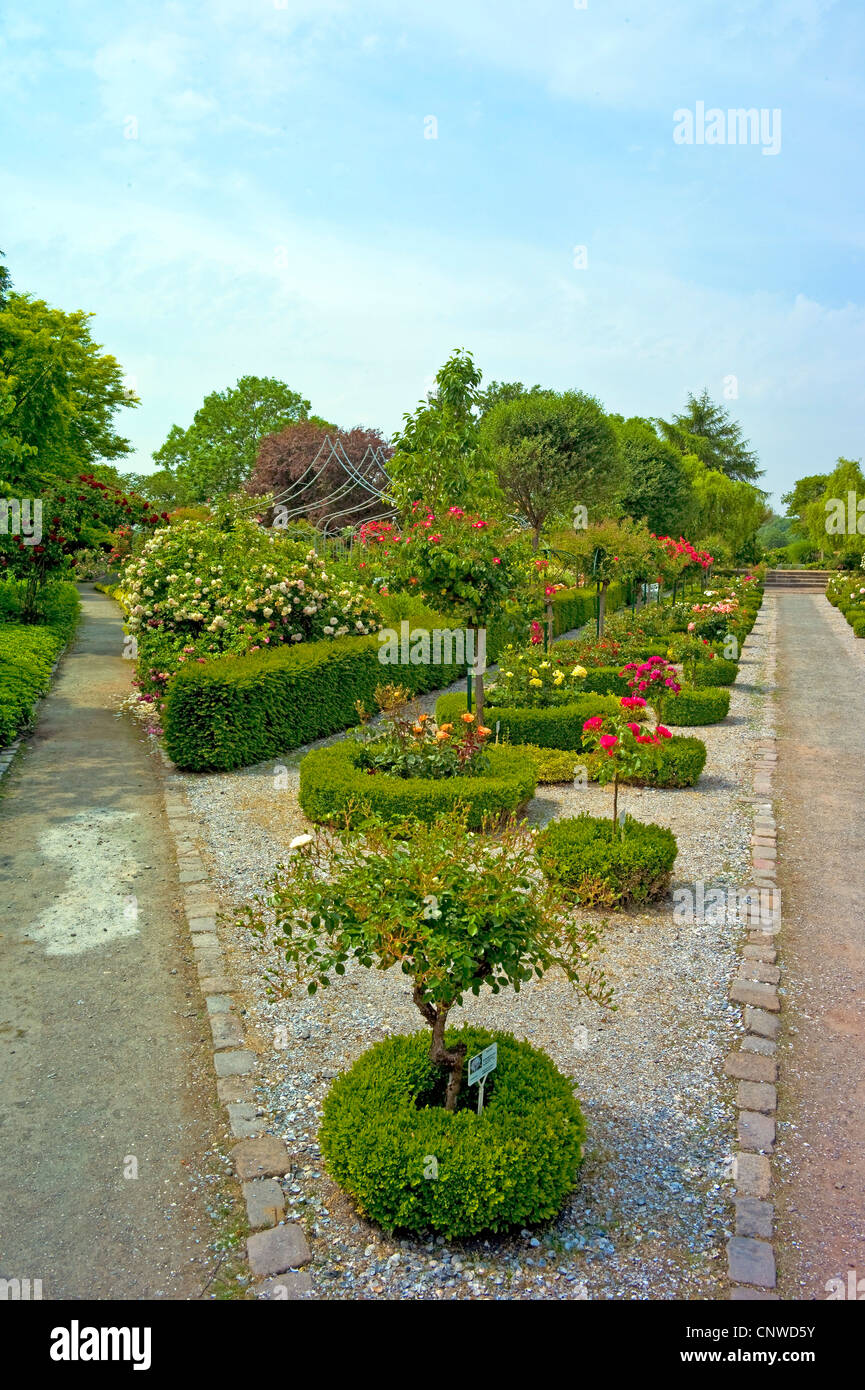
102 1046
821 694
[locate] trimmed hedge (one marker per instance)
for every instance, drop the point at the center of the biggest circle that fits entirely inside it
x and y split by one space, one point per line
235 711
332 787
705 706
858 626
674 762
719 671
512 1165
28 652
601 867
560 726
551 764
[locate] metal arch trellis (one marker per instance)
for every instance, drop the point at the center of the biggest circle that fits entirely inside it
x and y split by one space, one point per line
370 475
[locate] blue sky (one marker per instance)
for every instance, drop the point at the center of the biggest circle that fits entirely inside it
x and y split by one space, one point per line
278 210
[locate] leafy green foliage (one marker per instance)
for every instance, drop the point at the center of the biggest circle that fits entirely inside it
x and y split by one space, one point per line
512 1165
654 487
604 868
551 764
216 454
704 706
28 652
707 430
59 393
438 458
550 450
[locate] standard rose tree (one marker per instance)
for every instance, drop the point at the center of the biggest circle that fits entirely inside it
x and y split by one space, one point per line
456 912
619 741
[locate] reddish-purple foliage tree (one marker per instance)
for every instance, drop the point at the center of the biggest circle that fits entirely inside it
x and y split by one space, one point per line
284 458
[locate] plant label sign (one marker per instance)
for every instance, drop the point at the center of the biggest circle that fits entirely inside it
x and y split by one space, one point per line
483 1063
480 1067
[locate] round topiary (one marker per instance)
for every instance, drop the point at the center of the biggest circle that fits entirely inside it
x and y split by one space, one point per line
602 866
332 786
715 672
409 1164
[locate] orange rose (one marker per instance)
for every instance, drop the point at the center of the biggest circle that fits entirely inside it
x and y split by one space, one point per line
446 728
468 718
442 735
417 728
483 731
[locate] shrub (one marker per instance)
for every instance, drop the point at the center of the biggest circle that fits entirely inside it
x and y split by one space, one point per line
703 706
333 787
235 711
604 868
559 727
28 651
551 764
719 671
512 1165
204 588
859 627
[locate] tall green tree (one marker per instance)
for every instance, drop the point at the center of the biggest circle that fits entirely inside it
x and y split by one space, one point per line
499 391
216 454
728 512
707 430
59 394
438 455
654 486
799 498
550 450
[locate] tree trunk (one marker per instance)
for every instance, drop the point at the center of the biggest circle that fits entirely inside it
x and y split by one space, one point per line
602 606
479 698
451 1058
536 538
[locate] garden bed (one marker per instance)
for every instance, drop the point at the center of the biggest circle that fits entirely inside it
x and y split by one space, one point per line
652 1211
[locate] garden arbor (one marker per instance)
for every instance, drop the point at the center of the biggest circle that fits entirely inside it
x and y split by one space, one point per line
358 492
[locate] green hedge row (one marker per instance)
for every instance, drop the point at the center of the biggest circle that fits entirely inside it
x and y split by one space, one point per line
558 727
704 706
28 652
235 711
332 787
719 671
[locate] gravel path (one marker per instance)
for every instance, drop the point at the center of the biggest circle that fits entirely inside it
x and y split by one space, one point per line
652 1210
821 1159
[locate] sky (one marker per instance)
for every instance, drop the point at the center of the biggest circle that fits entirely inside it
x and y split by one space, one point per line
339 194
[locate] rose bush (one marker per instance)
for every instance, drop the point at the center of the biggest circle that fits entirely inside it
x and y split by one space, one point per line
205 588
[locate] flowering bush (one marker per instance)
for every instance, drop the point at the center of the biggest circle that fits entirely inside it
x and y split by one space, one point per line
619 739
656 679
201 589
414 745
526 682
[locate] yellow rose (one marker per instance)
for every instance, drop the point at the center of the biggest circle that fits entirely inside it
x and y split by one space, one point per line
580 671
558 678
536 682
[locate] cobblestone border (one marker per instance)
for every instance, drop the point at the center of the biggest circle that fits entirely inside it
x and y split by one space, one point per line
276 1250
750 1252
